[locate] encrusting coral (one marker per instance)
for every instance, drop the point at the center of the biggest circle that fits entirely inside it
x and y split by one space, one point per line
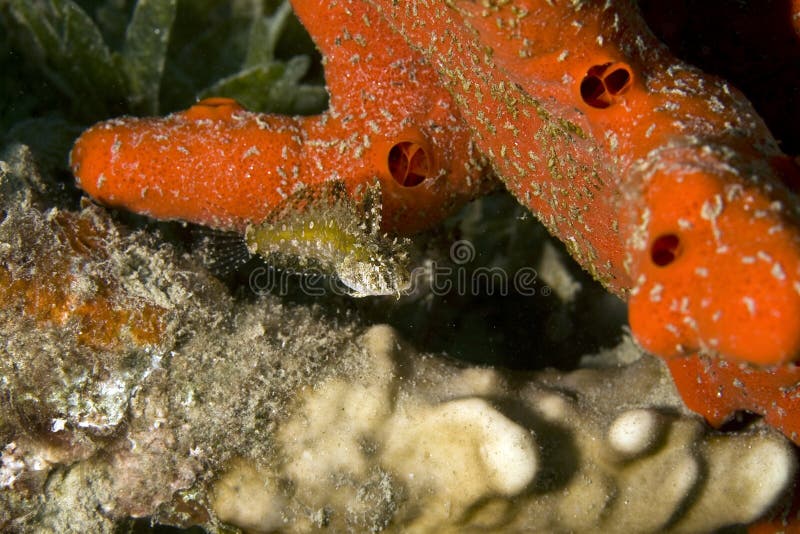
663 181
556 454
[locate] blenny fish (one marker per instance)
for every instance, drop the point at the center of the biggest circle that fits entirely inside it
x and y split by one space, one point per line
325 230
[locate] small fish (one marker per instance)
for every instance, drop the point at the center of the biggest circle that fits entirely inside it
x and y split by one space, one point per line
324 228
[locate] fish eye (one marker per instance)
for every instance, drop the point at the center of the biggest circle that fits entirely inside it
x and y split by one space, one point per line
665 249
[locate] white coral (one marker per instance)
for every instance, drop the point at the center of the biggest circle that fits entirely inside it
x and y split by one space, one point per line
439 446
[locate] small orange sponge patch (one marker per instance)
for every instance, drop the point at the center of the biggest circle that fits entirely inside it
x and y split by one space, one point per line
103 316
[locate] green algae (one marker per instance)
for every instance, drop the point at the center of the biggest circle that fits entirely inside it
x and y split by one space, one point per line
78 62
